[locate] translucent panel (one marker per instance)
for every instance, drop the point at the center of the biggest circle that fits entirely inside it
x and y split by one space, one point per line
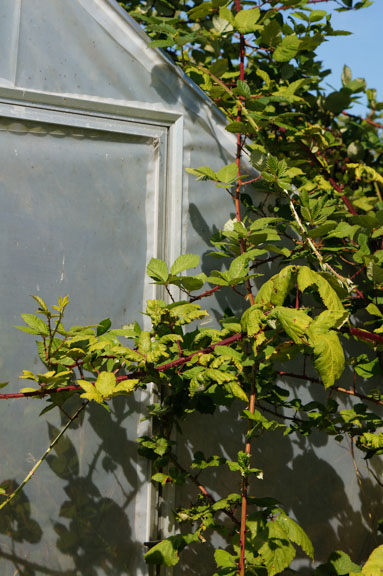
79 215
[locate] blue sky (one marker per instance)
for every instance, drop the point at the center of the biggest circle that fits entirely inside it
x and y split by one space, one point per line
362 51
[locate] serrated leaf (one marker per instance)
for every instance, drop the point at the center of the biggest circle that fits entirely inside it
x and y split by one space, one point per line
287 49
217 375
307 277
161 478
105 383
245 21
251 321
296 534
166 553
203 173
294 322
27 330
243 89
258 159
90 391
237 391
157 270
184 262
36 324
374 564
227 351
41 303
277 552
275 290
328 320
228 173
224 559
329 358
239 266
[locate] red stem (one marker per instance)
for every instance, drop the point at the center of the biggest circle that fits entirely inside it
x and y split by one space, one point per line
205 294
163 368
39 393
367 336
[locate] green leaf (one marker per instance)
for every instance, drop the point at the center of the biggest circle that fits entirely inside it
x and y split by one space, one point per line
91 393
105 383
339 563
338 101
237 391
125 387
184 262
236 127
103 326
326 321
316 15
287 49
243 89
239 266
163 553
308 277
277 552
157 270
162 43
252 319
374 564
329 358
245 21
166 553
36 324
144 342
228 173
224 559
203 173
374 310
294 322
296 534
275 290
41 303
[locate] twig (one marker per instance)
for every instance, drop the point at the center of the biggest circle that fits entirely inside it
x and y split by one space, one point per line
205 294
43 457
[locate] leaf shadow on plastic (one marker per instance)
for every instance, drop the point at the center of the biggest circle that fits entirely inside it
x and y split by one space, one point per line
99 482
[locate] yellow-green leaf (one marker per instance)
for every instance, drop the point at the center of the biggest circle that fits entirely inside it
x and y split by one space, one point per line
329 358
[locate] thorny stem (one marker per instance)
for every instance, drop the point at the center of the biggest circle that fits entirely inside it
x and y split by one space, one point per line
43 457
244 487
